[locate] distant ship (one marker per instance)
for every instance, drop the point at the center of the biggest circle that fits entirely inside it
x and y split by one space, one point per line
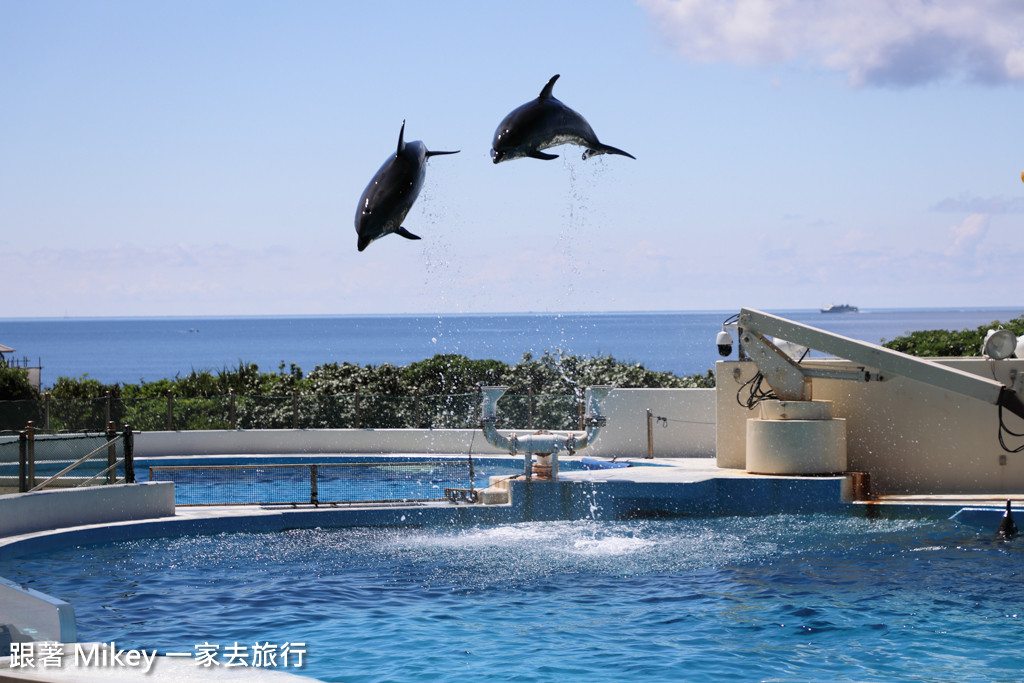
840 308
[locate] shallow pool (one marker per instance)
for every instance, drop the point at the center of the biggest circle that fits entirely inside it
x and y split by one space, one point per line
779 597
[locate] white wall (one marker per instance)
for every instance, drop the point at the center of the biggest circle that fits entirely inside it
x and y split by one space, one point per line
23 513
911 437
687 429
300 441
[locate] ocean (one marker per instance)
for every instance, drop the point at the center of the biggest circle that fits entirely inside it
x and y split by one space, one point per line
128 350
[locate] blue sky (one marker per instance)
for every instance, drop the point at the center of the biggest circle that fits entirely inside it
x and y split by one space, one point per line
205 158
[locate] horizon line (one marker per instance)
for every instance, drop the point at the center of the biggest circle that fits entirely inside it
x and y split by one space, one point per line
455 314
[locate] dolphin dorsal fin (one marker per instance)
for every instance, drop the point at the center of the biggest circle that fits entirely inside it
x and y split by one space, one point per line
546 92
401 138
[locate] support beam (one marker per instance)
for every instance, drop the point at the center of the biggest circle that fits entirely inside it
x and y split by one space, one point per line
880 358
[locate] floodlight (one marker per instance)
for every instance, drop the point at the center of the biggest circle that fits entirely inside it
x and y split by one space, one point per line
999 344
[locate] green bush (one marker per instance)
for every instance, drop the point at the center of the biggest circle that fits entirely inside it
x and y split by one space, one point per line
946 343
439 392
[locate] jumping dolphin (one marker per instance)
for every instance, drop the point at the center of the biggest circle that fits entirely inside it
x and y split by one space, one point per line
1007 527
542 123
389 196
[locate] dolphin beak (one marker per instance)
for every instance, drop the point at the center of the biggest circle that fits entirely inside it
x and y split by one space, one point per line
495 156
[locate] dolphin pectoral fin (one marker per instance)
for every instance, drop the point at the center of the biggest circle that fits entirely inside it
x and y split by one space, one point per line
406 234
546 92
434 154
537 154
606 149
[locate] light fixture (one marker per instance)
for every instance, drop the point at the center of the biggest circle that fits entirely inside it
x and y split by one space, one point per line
999 344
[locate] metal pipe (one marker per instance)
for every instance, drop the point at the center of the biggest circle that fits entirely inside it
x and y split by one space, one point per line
30 433
650 434
111 450
542 443
129 455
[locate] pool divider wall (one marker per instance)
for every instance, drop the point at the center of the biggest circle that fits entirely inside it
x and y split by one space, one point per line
540 500
28 615
24 513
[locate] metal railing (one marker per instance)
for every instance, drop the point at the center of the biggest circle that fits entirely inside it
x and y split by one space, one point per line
357 410
321 483
56 457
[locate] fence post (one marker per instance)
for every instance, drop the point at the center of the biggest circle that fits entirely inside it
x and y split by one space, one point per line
650 433
359 419
46 413
579 411
111 449
529 407
417 417
231 411
129 455
106 412
295 408
170 410
30 433
23 461
314 494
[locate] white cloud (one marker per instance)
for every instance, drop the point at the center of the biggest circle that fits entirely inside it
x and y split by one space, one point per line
966 236
875 42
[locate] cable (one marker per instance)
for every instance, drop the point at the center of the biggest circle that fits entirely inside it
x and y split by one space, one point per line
663 421
1004 428
755 393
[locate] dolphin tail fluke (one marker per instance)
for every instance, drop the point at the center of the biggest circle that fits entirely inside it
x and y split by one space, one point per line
406 234
537 154
434 154
546 91
606 149
401 138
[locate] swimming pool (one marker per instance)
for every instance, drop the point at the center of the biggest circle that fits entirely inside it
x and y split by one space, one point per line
805 597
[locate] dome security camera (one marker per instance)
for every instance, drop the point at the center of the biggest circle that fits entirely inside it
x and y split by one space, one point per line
724 341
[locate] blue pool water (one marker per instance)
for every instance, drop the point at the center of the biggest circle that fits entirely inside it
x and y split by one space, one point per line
817 597
339 479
